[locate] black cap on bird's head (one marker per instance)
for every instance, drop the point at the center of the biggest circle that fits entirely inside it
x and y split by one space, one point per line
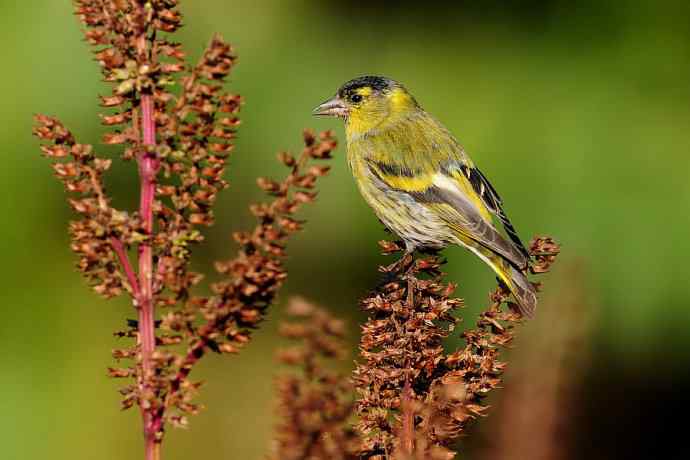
354 92
374 82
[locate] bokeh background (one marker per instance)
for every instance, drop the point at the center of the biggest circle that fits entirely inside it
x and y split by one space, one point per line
579 112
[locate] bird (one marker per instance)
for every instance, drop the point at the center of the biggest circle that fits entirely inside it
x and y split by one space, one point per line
421 183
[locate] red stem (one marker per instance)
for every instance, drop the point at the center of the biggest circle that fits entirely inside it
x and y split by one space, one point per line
119 249
148 167
153 450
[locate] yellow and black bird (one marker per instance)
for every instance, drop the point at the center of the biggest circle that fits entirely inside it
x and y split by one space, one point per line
421 183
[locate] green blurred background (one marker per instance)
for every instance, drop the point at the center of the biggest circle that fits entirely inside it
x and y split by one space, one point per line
579 113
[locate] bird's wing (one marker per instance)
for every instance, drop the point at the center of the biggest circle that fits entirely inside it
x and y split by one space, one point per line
453 199
462 211
482 187
443 152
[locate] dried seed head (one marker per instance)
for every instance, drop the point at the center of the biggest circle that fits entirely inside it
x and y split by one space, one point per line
181 143
316 403
409 316
248 287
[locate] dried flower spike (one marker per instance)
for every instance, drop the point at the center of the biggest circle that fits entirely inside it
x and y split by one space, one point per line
414 398
180 140
316 404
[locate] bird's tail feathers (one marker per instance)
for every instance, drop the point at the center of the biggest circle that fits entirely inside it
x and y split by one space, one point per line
524 292
521 288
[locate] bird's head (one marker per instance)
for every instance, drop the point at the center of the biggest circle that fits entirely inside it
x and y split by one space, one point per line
368 102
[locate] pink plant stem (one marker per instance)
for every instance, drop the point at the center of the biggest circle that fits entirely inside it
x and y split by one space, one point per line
119 249
148 167
153 450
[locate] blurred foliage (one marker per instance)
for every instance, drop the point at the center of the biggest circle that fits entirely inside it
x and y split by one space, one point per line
582 108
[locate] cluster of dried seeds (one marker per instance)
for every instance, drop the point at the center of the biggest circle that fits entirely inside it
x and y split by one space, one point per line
315 403
414 398
178 123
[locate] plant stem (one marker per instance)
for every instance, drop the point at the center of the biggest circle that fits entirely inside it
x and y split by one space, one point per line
148 167
407 422
153 451
119 249
407 435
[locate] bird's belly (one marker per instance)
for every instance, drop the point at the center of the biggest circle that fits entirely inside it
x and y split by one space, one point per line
417 225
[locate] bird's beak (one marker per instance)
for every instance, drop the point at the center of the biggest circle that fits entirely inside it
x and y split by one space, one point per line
333 108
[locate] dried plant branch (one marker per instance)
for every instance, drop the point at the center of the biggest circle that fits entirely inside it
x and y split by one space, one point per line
316 403
407 425
253 277
415 399
119 249
180 138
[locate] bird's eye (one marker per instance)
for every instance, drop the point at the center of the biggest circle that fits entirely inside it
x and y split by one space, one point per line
356 98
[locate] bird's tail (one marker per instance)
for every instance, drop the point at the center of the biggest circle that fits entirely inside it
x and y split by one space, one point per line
517 282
